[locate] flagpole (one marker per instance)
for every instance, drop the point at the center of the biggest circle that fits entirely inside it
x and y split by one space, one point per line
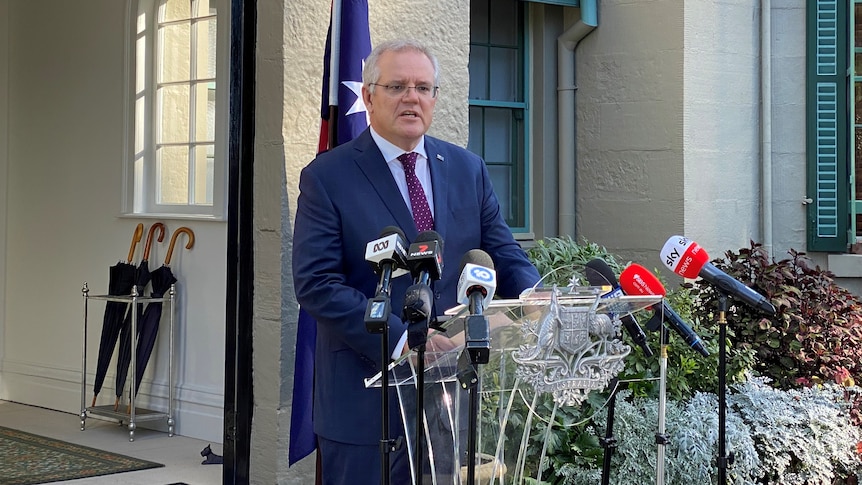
334 59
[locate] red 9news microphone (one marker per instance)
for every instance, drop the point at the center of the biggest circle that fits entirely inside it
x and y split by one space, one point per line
637 280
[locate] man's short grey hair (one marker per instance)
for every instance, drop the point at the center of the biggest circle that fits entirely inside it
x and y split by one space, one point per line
371 71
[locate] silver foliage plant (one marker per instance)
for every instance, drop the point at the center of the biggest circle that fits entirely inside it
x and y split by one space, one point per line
797 437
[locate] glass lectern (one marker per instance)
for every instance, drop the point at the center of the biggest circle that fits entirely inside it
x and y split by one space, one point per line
489 421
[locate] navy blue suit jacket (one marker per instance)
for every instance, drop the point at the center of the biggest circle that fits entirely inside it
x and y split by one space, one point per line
347 197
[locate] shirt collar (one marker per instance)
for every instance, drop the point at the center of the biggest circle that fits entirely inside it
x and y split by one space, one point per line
391 152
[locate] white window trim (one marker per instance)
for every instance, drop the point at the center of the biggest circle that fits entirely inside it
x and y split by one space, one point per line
138 201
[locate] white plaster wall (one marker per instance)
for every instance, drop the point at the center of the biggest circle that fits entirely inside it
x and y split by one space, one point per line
444 25
629 118
65 147
721 117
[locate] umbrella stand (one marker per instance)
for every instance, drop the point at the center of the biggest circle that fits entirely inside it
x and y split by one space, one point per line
141 414
142 280
121 280
163 280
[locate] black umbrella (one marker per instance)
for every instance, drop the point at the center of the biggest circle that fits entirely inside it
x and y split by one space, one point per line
162 279
120 282
142 279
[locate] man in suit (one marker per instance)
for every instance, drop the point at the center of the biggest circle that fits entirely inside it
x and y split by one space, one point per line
347 196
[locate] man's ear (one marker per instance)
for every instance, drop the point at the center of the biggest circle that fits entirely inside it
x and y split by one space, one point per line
366 96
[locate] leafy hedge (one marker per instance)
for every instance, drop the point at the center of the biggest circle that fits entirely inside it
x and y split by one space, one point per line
807 358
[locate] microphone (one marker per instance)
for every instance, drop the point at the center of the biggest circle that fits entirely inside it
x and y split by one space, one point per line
477 282
387 257
637 280
417 313
425 257
425 261
600 274
476 287
687 259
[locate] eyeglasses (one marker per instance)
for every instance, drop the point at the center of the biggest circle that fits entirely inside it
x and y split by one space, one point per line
396 90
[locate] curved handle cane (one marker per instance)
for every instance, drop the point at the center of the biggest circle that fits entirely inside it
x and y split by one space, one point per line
149 244
191 236
136 238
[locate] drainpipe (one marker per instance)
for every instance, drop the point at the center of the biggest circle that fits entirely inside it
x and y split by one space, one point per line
566 162
766 124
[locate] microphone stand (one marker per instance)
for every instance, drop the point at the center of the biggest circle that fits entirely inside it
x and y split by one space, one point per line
376 321
724 459
417 311
609 442
476 351
660 436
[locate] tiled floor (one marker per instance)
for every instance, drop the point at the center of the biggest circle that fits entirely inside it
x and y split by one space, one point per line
180 455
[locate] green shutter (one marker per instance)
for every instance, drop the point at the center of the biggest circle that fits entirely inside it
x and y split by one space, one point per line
827 112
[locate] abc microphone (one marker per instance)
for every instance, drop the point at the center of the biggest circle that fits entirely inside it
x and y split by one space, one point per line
600 274
387 257
476 287
687 259
637 280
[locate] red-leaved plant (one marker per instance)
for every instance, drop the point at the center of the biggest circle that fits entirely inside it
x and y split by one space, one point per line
816 334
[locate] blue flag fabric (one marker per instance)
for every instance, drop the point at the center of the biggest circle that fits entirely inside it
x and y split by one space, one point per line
354 47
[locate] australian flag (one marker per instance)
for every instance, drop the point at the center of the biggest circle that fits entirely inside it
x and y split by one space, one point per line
346 119
340 123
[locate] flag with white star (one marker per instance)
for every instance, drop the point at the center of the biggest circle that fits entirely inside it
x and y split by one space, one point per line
350 120
352 48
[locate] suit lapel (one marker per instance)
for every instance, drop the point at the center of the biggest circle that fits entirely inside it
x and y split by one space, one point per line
439 167
370 161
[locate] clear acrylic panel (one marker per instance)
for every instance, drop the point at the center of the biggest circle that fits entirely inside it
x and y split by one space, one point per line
547 350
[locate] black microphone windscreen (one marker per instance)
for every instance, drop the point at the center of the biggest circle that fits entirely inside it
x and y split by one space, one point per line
428 236
389 230
598 273
477 257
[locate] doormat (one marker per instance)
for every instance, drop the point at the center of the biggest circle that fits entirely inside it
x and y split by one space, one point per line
27 459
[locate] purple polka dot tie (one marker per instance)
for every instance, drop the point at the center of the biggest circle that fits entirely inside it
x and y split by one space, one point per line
418 202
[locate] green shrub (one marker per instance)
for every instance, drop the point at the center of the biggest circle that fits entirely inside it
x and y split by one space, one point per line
778 436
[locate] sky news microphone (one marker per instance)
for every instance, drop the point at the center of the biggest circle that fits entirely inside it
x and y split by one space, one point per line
600 274
687 259
387 256
637 280
425 257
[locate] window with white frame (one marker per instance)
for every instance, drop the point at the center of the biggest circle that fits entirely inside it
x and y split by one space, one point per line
177 135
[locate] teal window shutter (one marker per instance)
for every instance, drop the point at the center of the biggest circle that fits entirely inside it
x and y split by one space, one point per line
828 156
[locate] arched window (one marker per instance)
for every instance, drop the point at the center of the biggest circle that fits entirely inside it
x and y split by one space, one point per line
177 80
